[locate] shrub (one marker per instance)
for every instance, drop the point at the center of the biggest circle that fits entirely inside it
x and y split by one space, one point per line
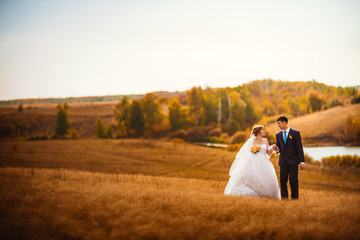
234 147
179 134
308 159
239 137
197 134
224 136
355 100
20 108
333 103
233 126
100 129
110 132
216 132
38 137
157 130
177 140
342 161
74 134
62 124
214 140
352 129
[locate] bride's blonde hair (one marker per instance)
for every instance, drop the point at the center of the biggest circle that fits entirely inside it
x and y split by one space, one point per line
256 130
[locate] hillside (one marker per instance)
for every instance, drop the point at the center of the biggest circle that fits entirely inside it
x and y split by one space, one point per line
160 114
321 127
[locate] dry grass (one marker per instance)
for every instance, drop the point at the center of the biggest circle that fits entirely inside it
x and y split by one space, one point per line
141 189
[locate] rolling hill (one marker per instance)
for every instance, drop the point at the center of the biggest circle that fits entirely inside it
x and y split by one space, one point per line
321 127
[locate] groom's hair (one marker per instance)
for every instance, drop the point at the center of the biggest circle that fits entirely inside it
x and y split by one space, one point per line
282 118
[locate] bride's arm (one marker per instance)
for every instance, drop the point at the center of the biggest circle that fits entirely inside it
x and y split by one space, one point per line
269 150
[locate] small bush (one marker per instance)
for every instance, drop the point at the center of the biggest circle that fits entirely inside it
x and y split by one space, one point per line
355 100
214 140
38 137
179 134
342 161
333 103
110 132
224 136
20 108
239 137
74 134
216 132
234 147
197 134
177 140
308 159
157 130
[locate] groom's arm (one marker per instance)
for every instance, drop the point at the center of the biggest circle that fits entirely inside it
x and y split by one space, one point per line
300 150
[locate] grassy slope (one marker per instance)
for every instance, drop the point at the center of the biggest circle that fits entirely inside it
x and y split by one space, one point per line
321 126
131 189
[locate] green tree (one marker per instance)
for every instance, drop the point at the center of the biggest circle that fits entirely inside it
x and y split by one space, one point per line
176 115
122 116
251 115
209 103
100 129
62 124
238 108
224 108
316 101
136 118
20 109
151 110
110 132
194 103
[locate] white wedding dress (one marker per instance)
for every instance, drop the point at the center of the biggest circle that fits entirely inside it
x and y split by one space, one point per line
252 174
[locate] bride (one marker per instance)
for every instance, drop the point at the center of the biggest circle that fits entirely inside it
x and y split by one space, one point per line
252 174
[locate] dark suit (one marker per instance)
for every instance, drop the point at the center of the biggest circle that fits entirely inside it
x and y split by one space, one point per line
291 154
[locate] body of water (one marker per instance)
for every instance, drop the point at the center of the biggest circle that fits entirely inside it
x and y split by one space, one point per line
319 152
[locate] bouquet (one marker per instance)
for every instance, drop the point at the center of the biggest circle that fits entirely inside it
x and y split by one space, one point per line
255 149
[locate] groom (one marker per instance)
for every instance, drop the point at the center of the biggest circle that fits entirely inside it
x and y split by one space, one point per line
288 144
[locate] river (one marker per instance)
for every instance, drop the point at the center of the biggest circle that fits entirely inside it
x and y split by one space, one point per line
315 152
319 152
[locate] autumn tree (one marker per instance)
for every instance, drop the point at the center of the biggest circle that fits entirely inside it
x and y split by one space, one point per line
209 103
62 124
316 101
237 116
151 110
122 116
224 108
136 119
194 103
176 115
100 129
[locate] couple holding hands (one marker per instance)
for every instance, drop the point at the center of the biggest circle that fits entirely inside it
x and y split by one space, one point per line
252 174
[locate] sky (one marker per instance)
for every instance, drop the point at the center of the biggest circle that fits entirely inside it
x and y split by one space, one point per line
70 48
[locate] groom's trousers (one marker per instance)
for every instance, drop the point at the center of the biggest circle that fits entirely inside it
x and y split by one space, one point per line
290 172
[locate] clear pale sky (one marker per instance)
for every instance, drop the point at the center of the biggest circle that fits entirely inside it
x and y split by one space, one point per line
63 48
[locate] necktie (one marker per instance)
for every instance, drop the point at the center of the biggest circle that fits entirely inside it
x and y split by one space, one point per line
285 137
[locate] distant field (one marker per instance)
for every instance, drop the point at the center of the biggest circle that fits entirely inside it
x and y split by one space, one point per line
143 189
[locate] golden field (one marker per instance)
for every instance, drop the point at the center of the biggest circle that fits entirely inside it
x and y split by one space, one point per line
147 189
